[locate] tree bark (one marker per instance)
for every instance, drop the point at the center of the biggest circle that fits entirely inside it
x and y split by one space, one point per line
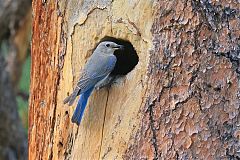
181 101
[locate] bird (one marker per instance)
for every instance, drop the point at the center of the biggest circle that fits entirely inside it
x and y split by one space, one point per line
95 71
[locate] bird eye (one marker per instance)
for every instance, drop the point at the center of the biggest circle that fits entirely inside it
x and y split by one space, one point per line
107 45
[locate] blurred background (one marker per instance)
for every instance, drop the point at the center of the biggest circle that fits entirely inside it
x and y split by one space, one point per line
15 36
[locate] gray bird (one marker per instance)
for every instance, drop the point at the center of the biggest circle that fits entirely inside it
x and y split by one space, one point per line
95 72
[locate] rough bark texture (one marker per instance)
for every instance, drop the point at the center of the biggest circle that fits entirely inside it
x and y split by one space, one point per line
193 107
180 101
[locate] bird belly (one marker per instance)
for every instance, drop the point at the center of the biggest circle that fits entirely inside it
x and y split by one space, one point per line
102 82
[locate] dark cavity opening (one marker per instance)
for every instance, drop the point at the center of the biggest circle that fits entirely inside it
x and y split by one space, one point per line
127 59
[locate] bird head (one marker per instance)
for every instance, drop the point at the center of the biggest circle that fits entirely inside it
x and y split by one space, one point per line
109 47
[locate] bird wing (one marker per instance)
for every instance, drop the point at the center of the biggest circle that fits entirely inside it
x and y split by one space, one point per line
94 71
98 70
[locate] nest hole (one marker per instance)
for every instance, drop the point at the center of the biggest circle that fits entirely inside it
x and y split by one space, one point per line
127 58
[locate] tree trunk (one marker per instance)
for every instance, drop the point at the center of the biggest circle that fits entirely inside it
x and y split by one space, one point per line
181 101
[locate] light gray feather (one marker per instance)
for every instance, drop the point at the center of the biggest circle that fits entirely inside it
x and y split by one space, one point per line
97 68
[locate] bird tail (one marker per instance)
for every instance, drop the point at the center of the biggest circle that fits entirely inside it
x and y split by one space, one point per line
70 99
82 102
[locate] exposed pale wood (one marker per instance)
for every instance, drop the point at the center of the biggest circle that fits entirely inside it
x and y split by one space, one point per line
179 102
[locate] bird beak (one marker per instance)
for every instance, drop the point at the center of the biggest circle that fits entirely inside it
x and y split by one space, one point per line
121 47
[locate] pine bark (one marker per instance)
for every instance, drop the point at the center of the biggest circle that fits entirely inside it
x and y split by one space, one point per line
181 101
